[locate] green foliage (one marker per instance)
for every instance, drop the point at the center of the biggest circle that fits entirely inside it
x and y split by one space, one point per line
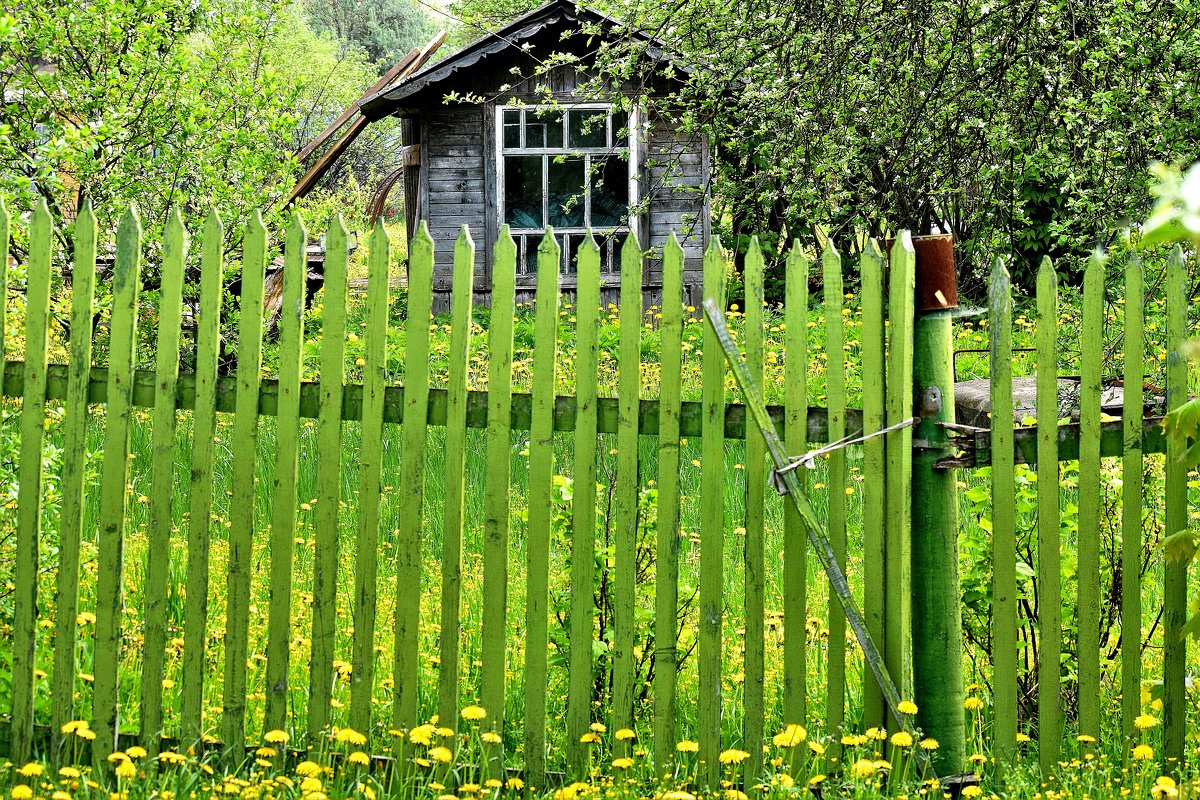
1019 127
158 103
384 29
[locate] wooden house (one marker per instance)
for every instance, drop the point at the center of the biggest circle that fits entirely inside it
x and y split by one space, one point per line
497 138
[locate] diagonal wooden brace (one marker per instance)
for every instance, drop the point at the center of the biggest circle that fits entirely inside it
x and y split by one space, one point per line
816 534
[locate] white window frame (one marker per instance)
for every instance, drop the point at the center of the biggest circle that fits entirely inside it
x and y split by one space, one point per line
610 264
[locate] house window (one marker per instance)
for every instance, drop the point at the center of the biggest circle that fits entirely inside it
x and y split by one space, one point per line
567 168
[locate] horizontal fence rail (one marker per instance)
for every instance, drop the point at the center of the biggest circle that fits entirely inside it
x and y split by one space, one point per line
313 555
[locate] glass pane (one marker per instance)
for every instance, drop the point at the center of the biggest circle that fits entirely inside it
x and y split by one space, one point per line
535 132
587 128
620 134
566 193
610 192
554 128
512 127
523 191
571 246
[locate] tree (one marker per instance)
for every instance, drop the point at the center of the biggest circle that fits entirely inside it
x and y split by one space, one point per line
385 29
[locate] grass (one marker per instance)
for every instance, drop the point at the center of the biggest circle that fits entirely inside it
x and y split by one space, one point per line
1108 770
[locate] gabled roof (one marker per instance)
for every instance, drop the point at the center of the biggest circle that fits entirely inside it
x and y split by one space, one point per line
557 14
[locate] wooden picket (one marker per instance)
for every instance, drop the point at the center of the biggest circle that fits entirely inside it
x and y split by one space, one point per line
185 398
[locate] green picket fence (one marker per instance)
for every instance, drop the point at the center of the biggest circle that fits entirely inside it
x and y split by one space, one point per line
391 416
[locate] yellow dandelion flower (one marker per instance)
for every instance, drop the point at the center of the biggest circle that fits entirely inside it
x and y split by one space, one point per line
1144 722
978 758
734 794
817 748
311 784
422 734
971 791
598 727
733 756
678 794
493 783
902 739
474 713
277 737
929 744
907 707
136 752
515 783
624 734
623 763
60 795
687 746
360 758
1083 738
973 704
350 736
1022 738
790 736
126 769
308 769
591 737
21 792
31 770
491 737
1143 752
864 767
266 752
70 773
442 755
815 779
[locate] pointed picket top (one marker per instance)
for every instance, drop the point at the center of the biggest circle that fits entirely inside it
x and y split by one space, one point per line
754 254
336 235
175 235
41 220
505 248
998 285
549 244
85 218
464 237
589 242
423 241
830 255
673 245
1046 271
631 253
296 230
213 226
871 250
714 251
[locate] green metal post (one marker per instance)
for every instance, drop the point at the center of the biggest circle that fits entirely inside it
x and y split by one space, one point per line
936 615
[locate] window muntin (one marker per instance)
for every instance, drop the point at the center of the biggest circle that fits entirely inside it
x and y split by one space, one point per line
568 168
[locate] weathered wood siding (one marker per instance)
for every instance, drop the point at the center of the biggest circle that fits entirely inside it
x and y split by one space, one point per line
453 189
675 172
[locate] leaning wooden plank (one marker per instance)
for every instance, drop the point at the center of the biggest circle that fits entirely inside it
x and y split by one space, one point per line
540 502
1090 492
29 475
871 270
835 354
785 477
111 536
327 519
496 498
1131 497
155 610
753 559
625 505
287 460
204 426
795 547
1049 536
413 60
75 415
240 567
666 566
455 486
1175 571
407 666
583 511
1004 541
712 529
898 542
